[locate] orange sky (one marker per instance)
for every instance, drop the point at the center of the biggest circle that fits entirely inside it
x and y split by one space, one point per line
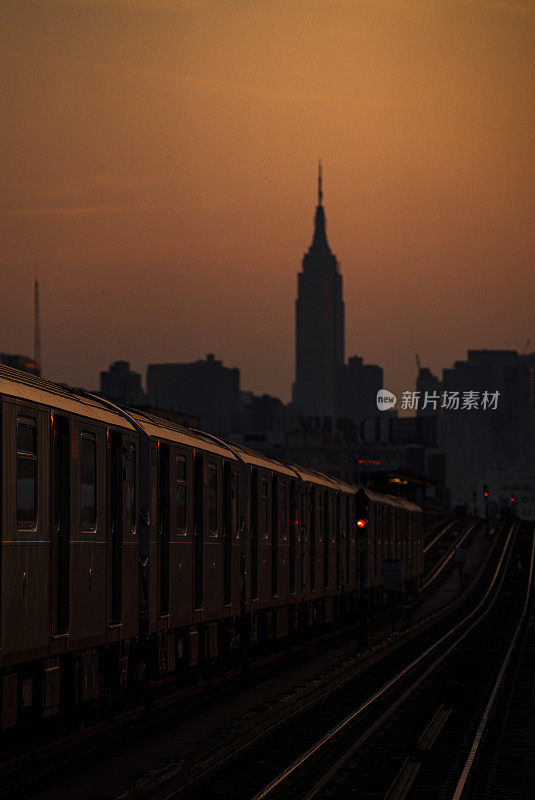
159 162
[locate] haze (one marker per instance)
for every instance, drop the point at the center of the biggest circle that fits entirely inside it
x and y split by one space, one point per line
159 166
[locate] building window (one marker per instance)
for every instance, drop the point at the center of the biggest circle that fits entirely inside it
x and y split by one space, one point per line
181 494
88 486
26 473
212 499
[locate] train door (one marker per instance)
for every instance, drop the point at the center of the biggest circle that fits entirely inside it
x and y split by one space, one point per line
294 522
275 536
230 525
349 538
199 530
327 529
254 535
304 528
60 528
116 478
338 533
164 523
315 499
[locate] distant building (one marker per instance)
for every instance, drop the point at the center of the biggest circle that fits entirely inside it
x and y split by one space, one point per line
421 430
428 386
479 441
319 326
24 363
264 413
358 384
121 384
508 490
205 389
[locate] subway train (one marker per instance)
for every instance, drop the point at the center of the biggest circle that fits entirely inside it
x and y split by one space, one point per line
134 550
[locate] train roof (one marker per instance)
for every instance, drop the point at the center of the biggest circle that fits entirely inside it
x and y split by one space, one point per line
23 386
260 460
312 476
403 502
29 388
173 432
389 499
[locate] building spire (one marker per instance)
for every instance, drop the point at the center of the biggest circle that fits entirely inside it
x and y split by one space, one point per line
319 242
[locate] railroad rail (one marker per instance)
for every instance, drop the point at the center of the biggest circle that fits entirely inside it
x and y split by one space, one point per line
464 785
433 537
360 669
293 722
446 558
310 774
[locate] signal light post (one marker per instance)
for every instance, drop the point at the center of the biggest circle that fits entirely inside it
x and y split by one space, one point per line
486 498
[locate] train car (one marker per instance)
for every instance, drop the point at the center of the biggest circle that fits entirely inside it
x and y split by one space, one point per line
133 549
328 554
190 561
68 543
391 530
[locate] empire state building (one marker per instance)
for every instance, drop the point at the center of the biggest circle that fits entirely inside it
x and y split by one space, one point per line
319 311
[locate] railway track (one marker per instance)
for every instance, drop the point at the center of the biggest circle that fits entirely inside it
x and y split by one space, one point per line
502 746
365 669
437 531
384 747
246 766
439 553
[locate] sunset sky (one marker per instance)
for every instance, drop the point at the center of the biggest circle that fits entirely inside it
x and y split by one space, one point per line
159 164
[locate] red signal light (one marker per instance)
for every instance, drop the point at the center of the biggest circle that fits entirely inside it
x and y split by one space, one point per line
512 498
361 523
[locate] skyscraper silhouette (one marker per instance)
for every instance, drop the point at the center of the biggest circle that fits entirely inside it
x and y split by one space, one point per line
319 325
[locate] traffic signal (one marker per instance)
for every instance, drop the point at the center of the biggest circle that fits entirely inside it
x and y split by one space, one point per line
512 498
485 491
362 513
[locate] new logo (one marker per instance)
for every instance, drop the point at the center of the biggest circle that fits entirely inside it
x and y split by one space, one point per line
385 400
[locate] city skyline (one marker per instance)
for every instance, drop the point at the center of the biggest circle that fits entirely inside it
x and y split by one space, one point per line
161 169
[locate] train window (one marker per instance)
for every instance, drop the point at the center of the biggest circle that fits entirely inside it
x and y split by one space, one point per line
57 455
181 494
131 488
283 514
264 507
212 499
26 473
333 523
88 485
235 521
